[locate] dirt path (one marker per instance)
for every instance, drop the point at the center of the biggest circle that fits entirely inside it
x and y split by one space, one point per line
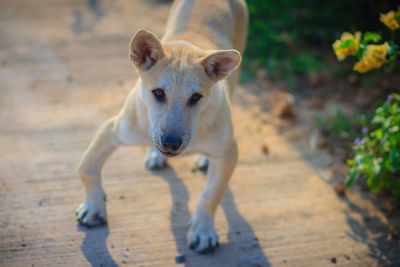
64 70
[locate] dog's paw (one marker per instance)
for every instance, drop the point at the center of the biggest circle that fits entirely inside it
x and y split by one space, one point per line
202 163
201 236
155 160
92 212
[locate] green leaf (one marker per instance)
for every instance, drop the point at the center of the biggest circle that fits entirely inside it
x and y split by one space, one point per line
395 159
345 44
360 51
394 108
372 37
351 162
378 133
376 167
377 119
373 183
352 177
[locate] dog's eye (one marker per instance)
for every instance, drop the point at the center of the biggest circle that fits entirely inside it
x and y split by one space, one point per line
194 99
159 94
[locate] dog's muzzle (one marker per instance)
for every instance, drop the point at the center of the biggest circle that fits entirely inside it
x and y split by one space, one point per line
170 145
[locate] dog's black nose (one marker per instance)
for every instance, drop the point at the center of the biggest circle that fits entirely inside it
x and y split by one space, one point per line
171 142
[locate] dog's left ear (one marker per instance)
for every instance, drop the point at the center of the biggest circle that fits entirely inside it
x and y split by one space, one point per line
145 49
220 64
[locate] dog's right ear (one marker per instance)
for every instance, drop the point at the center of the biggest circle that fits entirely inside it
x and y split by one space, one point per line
145 49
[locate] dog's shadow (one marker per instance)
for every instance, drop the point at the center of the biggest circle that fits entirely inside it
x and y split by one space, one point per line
94 246
242 249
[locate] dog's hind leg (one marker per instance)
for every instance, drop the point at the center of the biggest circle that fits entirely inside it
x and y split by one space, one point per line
155 160
93 210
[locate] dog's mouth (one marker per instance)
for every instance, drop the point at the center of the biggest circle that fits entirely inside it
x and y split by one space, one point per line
169 154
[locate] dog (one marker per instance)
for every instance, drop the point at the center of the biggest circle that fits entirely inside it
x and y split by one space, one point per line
179 105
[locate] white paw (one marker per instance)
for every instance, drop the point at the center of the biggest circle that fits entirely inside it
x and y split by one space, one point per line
92 212
202 163
201 236
155 160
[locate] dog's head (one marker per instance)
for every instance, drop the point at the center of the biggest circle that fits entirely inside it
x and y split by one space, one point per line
176 82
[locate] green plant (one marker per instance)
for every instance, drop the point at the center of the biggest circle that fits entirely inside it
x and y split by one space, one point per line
289 37
377 153
370 53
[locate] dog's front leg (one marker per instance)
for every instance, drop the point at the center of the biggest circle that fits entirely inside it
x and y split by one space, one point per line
201 235
93 211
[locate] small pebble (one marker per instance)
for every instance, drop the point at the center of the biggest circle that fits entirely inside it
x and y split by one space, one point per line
265 149
284 110
340 188
180 258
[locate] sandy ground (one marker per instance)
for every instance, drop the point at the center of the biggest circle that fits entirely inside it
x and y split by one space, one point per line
64 69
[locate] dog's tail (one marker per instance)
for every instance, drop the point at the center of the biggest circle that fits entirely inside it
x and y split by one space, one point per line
239 37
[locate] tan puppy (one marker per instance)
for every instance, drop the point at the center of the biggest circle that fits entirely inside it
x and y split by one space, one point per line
179 105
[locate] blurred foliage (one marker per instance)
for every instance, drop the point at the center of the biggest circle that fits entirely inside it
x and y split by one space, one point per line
339 125
285 37
377 152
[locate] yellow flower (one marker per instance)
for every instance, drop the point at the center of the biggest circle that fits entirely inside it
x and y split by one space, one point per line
378 52
362 66
347 51
373 58
389 20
